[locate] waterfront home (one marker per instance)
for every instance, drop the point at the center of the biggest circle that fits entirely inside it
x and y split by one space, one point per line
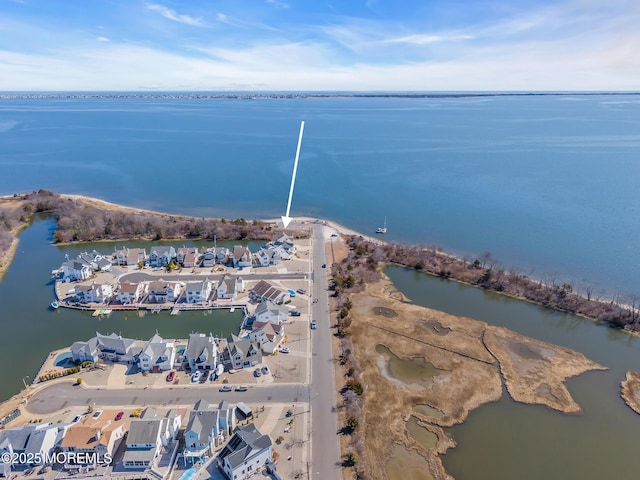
198 292
267 335
284 245
161 291
201 352
95 435
75 270
161 255
270 312
88 351
129 292
129 256
229 287
96 260
188 257
148 435
208 427
267 256
30 442
115 348
241 257
264 291
241 353
94 292
247 451
157 355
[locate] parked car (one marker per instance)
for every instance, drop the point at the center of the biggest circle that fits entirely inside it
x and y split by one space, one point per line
119 416
295 313
301 291
285 350
195 377
257 372
334 235
242 388
171 377
265 370
313 324
225 388
324 265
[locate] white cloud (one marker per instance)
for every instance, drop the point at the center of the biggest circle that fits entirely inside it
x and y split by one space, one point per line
422 39
176 17
102 39
277 3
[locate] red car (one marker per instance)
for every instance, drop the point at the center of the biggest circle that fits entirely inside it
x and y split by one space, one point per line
171 376
119 416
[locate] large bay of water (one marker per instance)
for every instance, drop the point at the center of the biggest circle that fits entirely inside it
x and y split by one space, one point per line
545 183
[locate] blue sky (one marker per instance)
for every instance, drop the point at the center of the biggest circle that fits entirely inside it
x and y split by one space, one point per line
379 45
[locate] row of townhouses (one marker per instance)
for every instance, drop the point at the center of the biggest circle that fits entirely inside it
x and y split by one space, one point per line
202 352
86 264
150 440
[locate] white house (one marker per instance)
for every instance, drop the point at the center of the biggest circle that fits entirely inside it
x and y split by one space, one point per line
241 353
201 352
285 247
267 335
162 291
129 292
241 257
270 312
129 256
95 260
94 293
29 441
198 292
76 270
208 426
229 287
157 355
162 255
267 256
147 435
247 451
92 435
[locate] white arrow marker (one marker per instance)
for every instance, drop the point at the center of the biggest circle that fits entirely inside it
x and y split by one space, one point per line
287 219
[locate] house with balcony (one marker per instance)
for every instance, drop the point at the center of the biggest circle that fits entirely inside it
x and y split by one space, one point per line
241 353
209 426
147 437
99 436
161 256
241 257
267 335
94 292
157 355
201 352
198 292
162 291
271 312
265 291
188 257
247 451
130 292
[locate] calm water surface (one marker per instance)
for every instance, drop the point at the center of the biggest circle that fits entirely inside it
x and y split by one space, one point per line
507 440
30 330
545 183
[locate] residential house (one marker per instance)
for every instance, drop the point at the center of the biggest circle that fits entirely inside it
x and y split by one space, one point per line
76 270
95 260
285 246
147 435
188 256
110 347
129 256
241 353
99 436
207 428
198 292
31 441
267 335
201 352
162 291
270 312
85 351
229 287
94 292
267 256
129 292
241 257
263 290
157 355
161 255
247 451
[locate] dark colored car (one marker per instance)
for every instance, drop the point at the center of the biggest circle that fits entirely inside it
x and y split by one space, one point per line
171 377
119 416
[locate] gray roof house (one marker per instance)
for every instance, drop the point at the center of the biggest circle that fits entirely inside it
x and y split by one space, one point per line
161 255
111 347
157 355
241 353
269 312
246 452
201 352
33 440
241 256
263 290
148 435
208 427
85 351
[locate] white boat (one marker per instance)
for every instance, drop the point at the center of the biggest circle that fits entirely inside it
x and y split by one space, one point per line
383 229
54 305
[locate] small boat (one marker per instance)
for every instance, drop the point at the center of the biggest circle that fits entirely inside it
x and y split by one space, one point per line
54 305
383 229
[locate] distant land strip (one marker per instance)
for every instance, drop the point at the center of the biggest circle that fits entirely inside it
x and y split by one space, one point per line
283 95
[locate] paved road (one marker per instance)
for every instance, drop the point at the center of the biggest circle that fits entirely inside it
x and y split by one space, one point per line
65 395
324 415
146 277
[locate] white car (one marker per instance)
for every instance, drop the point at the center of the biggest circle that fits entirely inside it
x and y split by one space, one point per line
265 370
195 377
285 350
